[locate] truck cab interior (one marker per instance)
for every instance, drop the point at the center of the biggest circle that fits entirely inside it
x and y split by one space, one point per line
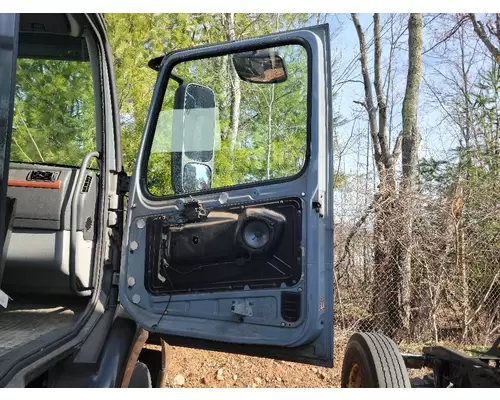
245 266
53 182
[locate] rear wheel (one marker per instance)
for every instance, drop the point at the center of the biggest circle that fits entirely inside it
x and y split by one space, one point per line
373 360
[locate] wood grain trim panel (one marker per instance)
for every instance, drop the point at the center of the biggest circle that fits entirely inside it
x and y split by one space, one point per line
35 184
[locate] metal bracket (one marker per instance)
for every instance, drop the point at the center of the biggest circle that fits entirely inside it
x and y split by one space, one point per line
194 211
123 183
242 309
116 279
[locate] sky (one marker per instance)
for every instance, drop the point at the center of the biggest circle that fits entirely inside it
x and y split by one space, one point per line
437 138
345 47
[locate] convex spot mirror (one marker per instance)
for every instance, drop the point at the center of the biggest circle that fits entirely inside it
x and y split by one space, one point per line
262 66
196 177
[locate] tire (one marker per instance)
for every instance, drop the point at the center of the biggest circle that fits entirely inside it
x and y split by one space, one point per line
372 360
141 377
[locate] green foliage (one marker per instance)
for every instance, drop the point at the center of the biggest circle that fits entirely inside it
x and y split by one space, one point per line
137 38
271 136
54 118
339 180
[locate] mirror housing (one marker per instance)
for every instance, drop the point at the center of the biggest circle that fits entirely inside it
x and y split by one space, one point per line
193 138
261 66
155 63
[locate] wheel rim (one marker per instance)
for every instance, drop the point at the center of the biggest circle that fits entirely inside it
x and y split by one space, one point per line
356 378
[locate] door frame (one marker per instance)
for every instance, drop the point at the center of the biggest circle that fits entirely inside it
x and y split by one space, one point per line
9 33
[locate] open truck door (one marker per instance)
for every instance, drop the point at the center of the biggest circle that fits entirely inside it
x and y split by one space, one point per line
228 243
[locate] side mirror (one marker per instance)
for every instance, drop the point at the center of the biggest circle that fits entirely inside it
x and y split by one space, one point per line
262 66
193 138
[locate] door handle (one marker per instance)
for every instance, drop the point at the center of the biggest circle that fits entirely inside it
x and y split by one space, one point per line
74 221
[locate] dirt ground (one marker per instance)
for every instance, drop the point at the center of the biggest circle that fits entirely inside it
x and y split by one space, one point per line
190 368
199 368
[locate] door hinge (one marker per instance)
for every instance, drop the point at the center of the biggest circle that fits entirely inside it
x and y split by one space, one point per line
123 183
316 205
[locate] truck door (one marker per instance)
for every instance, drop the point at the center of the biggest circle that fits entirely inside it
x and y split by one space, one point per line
228 243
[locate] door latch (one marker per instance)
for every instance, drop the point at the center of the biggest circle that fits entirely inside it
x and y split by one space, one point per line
316 205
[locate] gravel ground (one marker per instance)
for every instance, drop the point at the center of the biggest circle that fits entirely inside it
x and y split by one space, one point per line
209 369
199 368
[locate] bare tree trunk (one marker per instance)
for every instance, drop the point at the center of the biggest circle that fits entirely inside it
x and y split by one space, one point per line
235 87
269 134
461 266
458 201
366 253
270 104
466 127
481 32
409 155
456 206
411 137
384 300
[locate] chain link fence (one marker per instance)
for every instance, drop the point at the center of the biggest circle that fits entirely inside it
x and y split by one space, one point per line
452 291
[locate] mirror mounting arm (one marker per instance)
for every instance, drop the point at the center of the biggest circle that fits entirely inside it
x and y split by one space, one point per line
155 64
194 211
177 78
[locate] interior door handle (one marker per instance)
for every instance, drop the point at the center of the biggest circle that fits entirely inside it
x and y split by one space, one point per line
74 222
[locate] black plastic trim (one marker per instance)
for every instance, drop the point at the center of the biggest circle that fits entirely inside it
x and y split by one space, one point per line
112 361
99 19
8 56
